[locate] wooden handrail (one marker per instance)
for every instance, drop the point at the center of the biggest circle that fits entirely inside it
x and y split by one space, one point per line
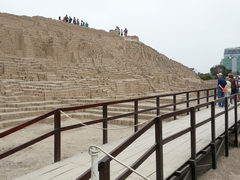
26 124
192 129
58 129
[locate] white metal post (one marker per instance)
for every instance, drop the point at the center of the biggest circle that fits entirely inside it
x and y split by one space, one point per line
93 151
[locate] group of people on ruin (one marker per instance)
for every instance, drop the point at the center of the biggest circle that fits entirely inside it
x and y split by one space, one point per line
73 20
76 21
121 32
227 86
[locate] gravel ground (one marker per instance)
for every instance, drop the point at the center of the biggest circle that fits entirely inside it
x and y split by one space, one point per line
228 168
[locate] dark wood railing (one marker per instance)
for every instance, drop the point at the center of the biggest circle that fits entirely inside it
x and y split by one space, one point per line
191 164
207 93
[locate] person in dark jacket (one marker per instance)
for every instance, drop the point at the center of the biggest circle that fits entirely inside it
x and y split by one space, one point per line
221 85
233 81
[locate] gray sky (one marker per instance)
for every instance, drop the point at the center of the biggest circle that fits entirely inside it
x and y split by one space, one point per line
192 32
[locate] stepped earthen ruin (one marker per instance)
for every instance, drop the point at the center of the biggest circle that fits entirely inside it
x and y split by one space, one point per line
46 64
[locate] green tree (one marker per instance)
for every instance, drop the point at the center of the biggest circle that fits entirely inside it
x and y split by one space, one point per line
219 69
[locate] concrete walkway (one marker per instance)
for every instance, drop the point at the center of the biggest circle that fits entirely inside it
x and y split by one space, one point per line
175 152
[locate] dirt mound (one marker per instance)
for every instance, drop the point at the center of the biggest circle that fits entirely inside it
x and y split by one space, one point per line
34 49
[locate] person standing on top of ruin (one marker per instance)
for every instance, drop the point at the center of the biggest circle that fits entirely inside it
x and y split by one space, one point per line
78 22
86 24
66 18
121 32
74 21
221 85
70 19
117 29
81 22
125 32
59 18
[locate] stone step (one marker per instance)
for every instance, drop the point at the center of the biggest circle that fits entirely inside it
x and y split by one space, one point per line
14 122
20 98
34 108
119 111
123 109
27 104
163 100
21 114
94 115
17 121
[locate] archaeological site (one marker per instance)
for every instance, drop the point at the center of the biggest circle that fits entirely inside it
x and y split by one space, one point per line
46 64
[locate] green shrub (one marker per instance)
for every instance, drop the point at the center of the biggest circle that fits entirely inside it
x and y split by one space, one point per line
206 76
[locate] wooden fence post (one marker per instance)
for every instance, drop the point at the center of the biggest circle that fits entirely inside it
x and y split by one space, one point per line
174 105
198 99
105 125
193 143
158 105
187 99
136 115
57 136
215 94
207 97
226 128
213 134
104 170
159 148
236 120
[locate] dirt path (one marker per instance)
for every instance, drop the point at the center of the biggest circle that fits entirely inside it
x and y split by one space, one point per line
41 154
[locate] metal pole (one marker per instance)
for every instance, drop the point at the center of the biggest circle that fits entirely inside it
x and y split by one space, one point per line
93 151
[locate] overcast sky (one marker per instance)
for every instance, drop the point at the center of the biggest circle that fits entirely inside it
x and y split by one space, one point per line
192 32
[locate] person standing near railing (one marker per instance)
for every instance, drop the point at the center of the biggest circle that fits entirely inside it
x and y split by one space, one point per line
228 87
233 85
238 85
221 85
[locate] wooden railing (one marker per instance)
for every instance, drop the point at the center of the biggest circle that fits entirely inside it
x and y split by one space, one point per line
207 93
191 164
